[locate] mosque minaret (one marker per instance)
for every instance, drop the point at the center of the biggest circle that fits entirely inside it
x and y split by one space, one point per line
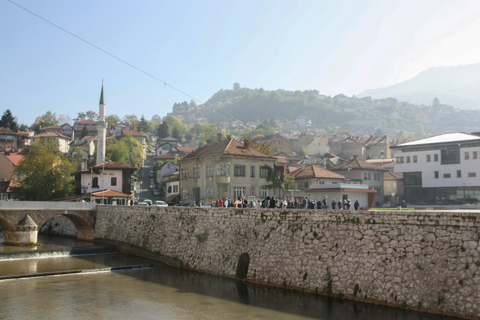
101 131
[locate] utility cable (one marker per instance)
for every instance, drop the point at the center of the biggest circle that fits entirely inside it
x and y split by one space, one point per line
123 61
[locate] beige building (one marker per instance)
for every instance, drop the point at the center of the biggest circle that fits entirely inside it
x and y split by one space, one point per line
364 148
224 169
62 142
358 171
315 175
8 139
280 143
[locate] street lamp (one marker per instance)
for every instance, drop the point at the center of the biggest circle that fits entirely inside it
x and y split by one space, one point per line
349 168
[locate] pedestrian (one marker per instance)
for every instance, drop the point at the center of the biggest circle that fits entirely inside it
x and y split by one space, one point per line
356 204
339 204
334 204
324 203
238 203
273 203
284 203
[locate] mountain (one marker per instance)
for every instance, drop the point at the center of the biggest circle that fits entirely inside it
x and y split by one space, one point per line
456 86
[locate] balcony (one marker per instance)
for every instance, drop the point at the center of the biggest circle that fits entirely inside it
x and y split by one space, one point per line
222 179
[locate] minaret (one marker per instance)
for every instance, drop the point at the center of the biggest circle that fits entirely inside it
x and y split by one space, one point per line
101 131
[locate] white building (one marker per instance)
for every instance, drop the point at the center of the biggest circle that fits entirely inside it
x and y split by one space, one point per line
441 169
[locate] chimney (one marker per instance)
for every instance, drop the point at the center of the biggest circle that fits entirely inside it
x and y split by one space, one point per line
219 136
246 143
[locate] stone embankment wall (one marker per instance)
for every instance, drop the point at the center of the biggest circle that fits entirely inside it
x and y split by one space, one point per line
427 261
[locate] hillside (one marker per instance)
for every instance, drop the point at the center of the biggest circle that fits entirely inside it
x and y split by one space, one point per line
455 86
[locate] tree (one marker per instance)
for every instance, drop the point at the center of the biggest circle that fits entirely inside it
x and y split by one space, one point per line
143 125
236 86
91 115
303 151
176 133
47 120
163 130
84 132
8 121
44 174
263 147
112 119
174 122
131 121
80 116
62 119
289 183
126 151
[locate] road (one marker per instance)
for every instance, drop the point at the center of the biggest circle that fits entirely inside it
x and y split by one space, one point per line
144 179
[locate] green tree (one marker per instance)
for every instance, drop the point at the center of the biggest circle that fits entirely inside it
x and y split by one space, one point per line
80 116
176 134
174 122
46 120
44 174
84 132
112 119
143 125
303 151
236 86
163 130
116 151
91 115
131 121
8 121
289 183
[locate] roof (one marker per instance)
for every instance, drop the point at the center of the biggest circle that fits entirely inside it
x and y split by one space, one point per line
454 137
14 158
185 149
110 193
101 96
314 171
392 176
226 147
52 134
128 132
4 130
106 166
52 127
356 164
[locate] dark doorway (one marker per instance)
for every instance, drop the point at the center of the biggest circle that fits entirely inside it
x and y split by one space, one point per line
242 267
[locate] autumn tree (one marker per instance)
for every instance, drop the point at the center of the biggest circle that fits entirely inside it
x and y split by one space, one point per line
47 120
263 147
44 174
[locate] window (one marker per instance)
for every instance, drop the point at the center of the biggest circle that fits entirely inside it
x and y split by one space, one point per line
305 184
239 170
263 172
408 159
113 181
169 189
450 155
435 157
209 170
436 174
429 158
399 159
474 155
252 191
446 175
263 192
467 155
415 159
196 172
252 172
184 173
472 174
367 176
238 192
184 193
95 182
175 189
223 169
459 173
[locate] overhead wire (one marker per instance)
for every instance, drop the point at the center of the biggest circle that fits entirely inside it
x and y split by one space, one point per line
123 61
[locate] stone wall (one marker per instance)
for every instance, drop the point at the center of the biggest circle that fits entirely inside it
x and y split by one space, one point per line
426 261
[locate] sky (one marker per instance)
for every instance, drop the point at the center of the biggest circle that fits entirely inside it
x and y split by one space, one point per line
151 54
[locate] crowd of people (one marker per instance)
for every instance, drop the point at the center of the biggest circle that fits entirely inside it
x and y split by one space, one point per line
272 202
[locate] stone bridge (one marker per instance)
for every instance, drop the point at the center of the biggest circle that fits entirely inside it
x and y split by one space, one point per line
21 220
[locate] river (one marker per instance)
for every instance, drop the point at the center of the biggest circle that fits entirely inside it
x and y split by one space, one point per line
44 283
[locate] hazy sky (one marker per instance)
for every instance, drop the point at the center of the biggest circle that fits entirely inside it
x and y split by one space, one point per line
201 47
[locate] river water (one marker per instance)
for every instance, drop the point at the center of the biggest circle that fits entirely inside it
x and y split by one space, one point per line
117 286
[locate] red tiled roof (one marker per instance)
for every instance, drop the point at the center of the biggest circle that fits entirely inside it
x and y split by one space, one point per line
112 166
185 149
110 193
52 127
14 158
4 130
226 147
86 121
52 134
314 171
127 132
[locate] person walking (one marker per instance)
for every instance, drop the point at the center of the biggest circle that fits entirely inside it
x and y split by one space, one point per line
334 204
339 204
356 205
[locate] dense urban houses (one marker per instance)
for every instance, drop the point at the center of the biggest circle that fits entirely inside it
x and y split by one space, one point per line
364 148
54 128
8 139
61 141
280 143
166 169
441 169
225 169
6 190
362 172
107 183
117 129
80 124
85 147
67 129
171 187
23 138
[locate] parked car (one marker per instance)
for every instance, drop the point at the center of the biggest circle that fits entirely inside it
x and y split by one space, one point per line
143 203
156 192
151 174
388 205
147 201
160 203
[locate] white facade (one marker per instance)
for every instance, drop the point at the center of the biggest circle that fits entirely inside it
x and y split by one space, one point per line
107 179
445 167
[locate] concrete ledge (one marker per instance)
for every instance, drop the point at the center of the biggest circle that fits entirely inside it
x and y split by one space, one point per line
47 205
